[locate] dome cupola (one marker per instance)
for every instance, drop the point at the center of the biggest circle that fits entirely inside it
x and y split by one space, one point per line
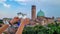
40 13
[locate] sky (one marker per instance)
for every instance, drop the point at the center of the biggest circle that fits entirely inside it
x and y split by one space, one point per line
10 8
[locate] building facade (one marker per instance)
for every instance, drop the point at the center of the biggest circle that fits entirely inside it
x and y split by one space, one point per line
40 18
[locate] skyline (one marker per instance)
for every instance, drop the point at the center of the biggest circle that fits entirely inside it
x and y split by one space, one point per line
10 8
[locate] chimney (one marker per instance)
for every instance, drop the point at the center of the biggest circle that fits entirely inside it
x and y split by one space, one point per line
33 15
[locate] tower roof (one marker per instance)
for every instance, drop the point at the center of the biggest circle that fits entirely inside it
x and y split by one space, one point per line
40 13
33 6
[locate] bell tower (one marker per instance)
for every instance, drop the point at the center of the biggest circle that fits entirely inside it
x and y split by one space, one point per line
33 15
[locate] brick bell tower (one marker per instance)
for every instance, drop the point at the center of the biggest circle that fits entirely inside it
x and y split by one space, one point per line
33 14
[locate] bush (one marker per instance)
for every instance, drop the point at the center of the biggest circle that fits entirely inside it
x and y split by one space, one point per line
38 29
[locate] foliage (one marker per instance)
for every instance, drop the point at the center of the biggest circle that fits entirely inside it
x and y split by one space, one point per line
38 29
1 21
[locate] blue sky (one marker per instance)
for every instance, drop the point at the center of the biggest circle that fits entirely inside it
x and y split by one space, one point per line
10 8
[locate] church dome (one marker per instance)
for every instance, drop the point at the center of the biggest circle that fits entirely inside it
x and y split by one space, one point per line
40 13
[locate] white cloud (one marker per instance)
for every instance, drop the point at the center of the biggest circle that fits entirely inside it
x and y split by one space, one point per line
2 1
22 0
6 5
